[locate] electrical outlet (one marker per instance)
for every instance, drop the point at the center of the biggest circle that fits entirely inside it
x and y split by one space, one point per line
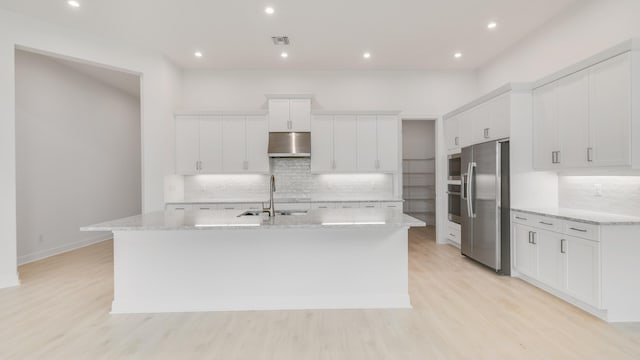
40 238
598 188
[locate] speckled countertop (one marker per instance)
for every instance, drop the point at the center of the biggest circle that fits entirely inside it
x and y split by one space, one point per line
228 219
281 200
583 216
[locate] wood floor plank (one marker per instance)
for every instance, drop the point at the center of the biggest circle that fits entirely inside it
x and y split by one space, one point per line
461 310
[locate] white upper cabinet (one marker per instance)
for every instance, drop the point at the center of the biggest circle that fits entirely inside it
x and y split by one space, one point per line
452 134
289 115
187 145
546 143
367 143
322 143
354 143
610 112
211 144
488 120
257 130
572 99
388 144
345 158
233 144
585 119
300 113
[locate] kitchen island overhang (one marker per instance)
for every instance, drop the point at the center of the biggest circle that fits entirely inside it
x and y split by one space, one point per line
217 261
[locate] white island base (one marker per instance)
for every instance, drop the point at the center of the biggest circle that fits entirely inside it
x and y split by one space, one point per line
261 269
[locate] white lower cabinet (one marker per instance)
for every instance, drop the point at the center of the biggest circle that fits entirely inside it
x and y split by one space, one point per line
568 264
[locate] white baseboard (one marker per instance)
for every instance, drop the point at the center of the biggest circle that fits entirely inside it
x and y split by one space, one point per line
9 281
43 254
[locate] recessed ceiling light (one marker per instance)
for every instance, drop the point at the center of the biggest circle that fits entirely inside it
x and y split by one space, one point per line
457 55
269 10
197 54
492 25
366 55
73 3
284 55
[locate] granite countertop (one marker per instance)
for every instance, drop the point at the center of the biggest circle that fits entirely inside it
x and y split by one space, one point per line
281 200
583 216
228 219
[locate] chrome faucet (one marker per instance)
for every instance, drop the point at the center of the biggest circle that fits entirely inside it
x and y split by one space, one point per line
272 188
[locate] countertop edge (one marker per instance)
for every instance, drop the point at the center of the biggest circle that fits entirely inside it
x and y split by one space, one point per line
580 220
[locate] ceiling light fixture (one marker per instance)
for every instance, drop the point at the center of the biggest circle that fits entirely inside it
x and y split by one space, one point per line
197 54
73 3
492 25
457 55
284 55
269 10
366 55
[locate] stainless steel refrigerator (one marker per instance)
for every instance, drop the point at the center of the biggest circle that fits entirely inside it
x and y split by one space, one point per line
484 204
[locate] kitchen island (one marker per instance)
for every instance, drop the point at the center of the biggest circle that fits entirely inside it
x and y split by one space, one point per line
220 261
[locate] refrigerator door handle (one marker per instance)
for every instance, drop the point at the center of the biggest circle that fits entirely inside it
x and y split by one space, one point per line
470 194
463 193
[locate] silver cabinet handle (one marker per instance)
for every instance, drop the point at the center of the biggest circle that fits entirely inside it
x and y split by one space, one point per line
563 248
545 223
456 141
520 218
575 229
452 235
553 157
590 154
530 236
486 133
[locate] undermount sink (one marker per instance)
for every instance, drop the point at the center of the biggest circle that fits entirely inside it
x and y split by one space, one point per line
278 213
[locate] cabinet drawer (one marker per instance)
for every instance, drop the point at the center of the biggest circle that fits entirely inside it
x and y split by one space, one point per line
586 231
453 235
369 205
391 205
547 223
179 207
522 218
323 205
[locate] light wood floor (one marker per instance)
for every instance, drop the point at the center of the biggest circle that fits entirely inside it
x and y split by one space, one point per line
461 311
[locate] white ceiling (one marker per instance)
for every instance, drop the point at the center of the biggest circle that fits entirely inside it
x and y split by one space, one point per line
327 34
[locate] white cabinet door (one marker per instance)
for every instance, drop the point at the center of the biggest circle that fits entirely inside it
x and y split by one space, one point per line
388 144
573 119
367 143
279 115
610 112
545 127
300 115
344 143
500 117
322 144
525 252
210 144
187 144
480 123
582 270
451 129
257 138
233 144
466 130
550 259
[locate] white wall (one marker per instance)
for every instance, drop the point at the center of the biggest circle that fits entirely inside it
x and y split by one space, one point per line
583 30
418 139
78 156
160 80
414 92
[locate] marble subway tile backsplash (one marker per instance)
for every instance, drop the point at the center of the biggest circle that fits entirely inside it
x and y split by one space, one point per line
293 180
610 194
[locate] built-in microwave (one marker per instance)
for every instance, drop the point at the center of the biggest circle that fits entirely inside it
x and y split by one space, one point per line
453 194
453 167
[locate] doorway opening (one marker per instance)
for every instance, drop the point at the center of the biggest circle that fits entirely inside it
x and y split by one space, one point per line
419 169
78 151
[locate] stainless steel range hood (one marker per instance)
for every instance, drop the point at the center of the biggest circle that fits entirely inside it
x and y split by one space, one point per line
289 144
